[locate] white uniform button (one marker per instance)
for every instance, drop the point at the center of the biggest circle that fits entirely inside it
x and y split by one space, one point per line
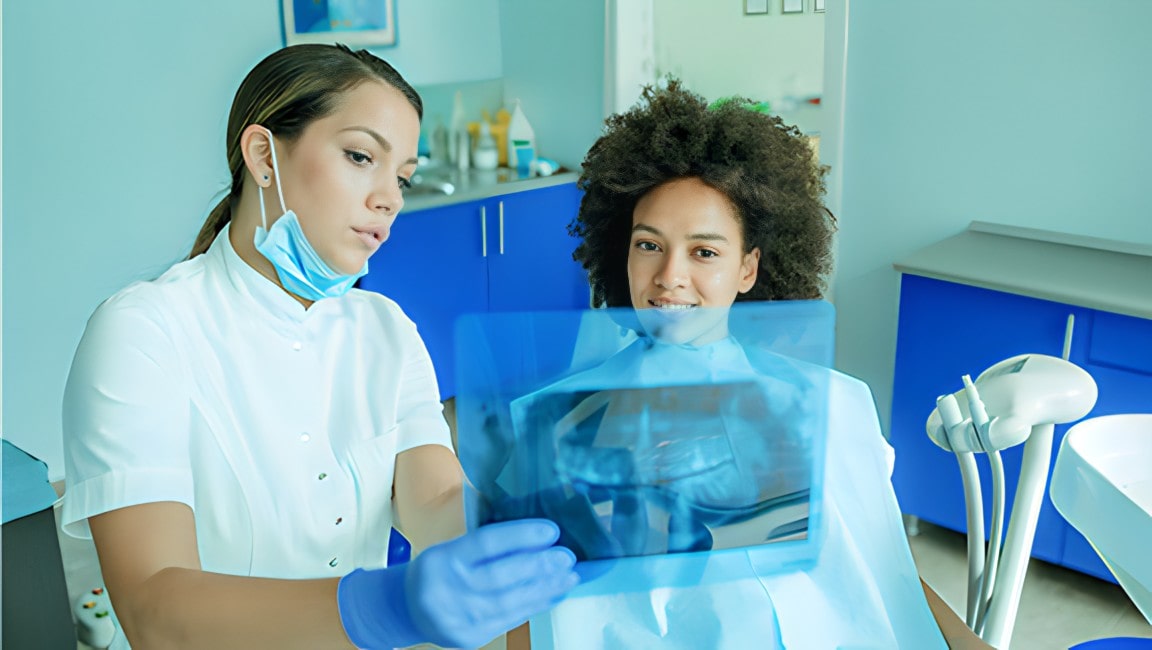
321 476
297 346
304 437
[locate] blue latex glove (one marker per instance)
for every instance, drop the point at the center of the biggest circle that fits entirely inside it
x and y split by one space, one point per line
462 593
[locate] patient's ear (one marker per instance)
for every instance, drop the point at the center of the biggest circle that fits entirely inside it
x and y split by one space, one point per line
749 267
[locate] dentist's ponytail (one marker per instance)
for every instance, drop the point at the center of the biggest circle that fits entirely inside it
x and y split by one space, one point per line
287 91
217 219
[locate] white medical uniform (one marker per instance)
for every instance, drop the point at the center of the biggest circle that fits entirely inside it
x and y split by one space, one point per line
279 426
863 591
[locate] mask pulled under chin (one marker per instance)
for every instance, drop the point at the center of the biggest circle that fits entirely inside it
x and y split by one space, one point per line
298 266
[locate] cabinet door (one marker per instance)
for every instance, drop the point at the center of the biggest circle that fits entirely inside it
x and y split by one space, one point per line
1119 358
432 266
530 266
947 330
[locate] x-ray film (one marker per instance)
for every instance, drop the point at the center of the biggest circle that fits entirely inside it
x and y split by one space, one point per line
671 448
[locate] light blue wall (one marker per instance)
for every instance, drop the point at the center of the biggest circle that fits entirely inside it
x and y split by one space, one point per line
1031 113
554 63
446 41
113 148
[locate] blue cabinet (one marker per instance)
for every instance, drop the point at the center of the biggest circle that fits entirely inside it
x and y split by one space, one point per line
532 268
510 252
432 267
948 329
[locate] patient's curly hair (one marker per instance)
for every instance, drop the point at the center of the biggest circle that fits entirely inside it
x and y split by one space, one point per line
766 169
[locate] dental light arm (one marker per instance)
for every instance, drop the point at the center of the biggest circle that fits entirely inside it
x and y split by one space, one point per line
1016 400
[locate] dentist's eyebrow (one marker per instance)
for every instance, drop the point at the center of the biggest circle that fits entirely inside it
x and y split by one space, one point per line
380 140
700 236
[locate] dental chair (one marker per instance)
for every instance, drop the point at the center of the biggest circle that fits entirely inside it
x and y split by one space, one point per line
1103 474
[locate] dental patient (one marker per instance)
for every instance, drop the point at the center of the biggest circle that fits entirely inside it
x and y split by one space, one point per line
688 209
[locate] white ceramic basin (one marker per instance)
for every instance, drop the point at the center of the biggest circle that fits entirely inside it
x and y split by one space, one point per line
1102 484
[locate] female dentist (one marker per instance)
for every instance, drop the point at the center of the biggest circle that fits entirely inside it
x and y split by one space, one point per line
242 432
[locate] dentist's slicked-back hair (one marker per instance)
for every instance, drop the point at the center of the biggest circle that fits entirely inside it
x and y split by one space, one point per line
767 170
287 91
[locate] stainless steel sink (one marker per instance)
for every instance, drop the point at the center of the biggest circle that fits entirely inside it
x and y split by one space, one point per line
429 185
431 178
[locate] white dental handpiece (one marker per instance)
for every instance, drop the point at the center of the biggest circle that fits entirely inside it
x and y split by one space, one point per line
977 411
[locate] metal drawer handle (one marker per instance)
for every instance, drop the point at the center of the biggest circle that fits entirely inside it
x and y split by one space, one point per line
1068 329
483 232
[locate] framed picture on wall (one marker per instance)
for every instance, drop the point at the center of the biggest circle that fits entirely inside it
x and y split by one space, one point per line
755 7
351 22
793 6
818 6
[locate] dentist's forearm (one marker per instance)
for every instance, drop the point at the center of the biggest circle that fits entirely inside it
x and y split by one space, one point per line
429 496
440 519
150 564
188 609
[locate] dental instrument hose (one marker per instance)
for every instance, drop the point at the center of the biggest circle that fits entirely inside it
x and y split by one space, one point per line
954 423
993 561
980 424
977 571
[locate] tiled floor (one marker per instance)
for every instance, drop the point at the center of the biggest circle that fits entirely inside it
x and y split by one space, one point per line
1058 608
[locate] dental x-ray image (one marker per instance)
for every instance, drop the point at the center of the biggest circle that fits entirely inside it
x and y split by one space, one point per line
638 445
664 466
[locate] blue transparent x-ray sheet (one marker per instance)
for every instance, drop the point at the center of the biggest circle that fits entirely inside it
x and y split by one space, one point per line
666 456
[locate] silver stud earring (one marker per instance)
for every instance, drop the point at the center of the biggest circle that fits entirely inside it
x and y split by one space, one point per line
265 177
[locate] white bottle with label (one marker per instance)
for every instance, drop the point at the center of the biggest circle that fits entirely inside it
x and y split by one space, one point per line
521 142
485 157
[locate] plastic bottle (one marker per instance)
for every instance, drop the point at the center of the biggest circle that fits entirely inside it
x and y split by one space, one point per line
521 142
438 150
486 156
463 149
500 132
458 125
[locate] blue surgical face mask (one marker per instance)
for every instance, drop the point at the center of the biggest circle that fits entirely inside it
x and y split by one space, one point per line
300 268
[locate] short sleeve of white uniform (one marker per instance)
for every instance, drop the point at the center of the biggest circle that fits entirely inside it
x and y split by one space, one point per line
419 414
125 415
126 408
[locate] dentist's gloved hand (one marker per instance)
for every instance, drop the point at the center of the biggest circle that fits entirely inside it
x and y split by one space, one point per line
462 593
